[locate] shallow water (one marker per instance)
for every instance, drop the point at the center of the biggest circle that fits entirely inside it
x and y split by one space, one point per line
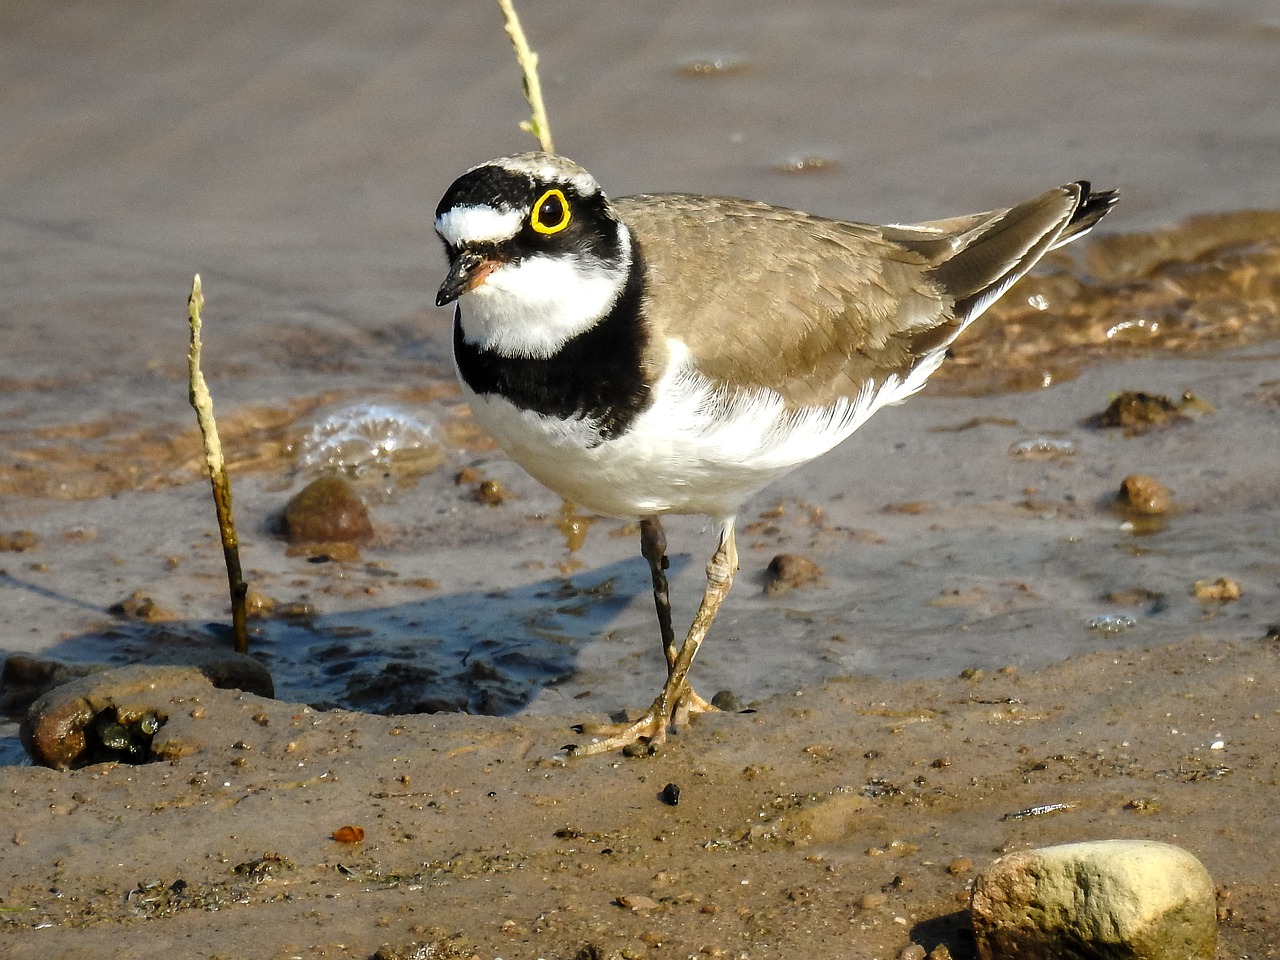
294 156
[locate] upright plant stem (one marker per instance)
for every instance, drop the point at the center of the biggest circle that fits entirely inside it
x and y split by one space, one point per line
528 60
203 404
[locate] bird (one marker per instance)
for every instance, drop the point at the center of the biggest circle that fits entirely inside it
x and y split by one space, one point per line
675 353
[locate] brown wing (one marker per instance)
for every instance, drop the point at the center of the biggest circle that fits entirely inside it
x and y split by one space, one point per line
808 307
814 308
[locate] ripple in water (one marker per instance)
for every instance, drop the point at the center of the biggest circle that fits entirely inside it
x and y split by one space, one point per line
370 438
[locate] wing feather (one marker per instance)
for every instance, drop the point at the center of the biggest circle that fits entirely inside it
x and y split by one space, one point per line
816 309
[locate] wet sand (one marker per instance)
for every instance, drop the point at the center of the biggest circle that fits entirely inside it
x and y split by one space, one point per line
293 158
846 819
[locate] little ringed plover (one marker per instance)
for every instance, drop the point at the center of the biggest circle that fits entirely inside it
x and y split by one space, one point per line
671 353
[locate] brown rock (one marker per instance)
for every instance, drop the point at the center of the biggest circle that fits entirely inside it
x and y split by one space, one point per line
1222 590
17 541
1143 495
959 866
138 606
787 570
118 714
1137 412
327 510
490 492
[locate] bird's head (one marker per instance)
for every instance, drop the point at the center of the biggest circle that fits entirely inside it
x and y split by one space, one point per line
535 247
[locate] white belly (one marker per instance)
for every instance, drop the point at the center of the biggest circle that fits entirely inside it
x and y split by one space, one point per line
693 451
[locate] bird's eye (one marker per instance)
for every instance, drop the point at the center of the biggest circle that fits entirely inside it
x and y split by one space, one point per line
550 213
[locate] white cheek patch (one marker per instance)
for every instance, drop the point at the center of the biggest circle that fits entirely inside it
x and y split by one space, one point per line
478 224
532 307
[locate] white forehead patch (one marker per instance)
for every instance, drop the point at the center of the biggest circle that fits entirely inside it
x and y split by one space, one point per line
478 224
546 168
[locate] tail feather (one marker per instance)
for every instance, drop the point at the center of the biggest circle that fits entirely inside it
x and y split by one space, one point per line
1091 208
1002 250
976 259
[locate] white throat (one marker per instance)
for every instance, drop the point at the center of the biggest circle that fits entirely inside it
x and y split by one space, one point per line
533 306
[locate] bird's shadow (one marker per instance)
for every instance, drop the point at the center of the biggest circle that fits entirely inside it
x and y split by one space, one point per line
474 651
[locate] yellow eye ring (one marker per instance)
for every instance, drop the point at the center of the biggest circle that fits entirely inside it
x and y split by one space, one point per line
551 213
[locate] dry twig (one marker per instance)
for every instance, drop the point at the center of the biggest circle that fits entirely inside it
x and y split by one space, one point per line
203 404
528 60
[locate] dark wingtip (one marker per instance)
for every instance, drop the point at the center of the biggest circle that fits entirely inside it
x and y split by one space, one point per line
1095 201
1092 207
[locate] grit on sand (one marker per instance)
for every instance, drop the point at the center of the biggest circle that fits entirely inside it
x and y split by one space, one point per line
847 819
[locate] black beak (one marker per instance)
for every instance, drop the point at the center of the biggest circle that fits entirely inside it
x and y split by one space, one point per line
469 269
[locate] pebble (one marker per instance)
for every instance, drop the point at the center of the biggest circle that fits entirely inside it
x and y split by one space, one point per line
1137 412
327 510
1222 590
490 492
1143 495
787 571
16 541
138 606
727 701
959 866
1127 899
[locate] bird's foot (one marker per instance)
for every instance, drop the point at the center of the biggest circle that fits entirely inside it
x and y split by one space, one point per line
649 731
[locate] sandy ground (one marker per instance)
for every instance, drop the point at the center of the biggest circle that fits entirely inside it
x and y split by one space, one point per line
846 820
292 155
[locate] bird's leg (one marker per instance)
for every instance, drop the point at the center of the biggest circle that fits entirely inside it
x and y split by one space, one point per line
677 699
678 691
653 547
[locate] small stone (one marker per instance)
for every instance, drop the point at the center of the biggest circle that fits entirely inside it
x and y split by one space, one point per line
727 701
257 605
959 866
670 795
873 901
912 952
1120 899
1137 412
327 510
138 606
787 570
16 541
1222 590
1143 496
490 492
